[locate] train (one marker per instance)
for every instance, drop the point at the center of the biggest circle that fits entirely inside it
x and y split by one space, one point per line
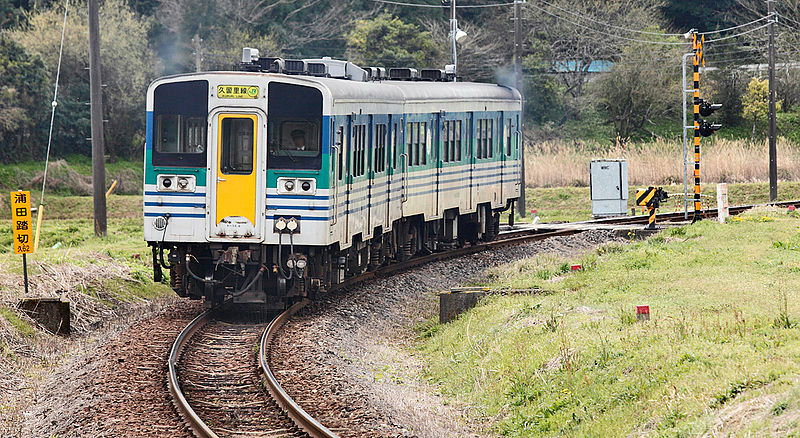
277 180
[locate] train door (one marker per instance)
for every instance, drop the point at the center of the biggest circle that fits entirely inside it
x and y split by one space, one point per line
370 156
405 148
348 183
470 132
237 204
502 128
436 164
338 175
391 166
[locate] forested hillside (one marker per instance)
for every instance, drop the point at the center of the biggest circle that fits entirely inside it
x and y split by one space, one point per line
592 68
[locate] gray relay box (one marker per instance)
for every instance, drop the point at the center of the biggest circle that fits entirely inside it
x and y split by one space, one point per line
608 183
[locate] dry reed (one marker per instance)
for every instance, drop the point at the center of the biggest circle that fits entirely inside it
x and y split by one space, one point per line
559 164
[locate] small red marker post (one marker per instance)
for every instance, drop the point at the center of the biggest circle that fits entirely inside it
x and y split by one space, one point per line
643 313
577 268
791 208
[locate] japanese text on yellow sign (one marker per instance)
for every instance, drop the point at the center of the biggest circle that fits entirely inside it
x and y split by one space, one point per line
237 91
21 222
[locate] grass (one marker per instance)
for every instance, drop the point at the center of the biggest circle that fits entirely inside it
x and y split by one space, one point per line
724 308
71 176
560 163
567 204
22 327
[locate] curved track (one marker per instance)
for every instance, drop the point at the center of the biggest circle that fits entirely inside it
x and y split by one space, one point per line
226 399
302 419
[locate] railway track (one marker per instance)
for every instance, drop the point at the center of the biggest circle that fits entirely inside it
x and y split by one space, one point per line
217 387
237 397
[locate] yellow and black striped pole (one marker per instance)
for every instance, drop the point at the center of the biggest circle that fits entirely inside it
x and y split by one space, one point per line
697 45
644 198
651 198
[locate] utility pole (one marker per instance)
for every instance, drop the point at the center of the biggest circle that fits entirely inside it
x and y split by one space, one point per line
96 101
773 152
519 85
453 31
197 44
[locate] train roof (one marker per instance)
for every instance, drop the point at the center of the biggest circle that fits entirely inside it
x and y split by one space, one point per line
388 90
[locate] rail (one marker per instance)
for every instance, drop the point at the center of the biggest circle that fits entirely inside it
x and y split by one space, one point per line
198 426
300 416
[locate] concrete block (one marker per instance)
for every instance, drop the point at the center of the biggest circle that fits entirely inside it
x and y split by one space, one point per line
52 313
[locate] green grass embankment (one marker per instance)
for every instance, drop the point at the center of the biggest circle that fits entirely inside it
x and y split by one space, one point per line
721 353
569 204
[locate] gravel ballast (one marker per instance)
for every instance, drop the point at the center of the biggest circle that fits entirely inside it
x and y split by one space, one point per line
348 359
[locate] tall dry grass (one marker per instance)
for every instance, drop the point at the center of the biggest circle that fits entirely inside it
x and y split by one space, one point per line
561 163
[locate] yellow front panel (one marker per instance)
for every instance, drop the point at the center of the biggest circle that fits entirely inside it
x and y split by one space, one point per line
236 148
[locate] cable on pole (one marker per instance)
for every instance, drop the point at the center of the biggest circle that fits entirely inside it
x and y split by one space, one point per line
665 43
422 5
55 100
625 29
739 34
737 27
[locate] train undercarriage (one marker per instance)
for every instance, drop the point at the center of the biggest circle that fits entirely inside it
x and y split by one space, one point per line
275 276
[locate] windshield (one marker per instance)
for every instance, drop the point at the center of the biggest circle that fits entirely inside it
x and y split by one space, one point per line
294 127
180 124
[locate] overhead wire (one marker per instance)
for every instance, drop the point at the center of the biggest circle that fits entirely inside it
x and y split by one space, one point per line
423 5
738 34
737 27
668 43
54 104
585 17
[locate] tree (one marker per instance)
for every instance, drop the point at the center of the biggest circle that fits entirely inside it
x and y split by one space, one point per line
23 100
388 41
638 89
128 68
755 105
573 48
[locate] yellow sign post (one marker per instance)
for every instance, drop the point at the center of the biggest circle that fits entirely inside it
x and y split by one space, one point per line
22 228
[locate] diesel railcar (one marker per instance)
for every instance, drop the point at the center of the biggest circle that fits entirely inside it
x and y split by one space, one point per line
269 185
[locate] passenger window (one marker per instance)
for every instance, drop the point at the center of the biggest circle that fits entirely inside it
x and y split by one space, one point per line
458 140
424 142
178 134
238 143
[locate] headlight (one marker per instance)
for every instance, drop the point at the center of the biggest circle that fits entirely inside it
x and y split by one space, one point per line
301 264
166 182
306 186
292 224
288 185
280 224
290 263
183 182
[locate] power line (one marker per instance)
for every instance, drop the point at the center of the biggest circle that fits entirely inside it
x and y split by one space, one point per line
738 34
608 24
604 33
422 5
737 27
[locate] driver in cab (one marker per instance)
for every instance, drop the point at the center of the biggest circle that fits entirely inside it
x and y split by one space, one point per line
299 139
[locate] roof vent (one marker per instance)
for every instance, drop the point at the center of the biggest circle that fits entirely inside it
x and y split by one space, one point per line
317 69
376 73
403 74
272 65
432 74
294 67
336 68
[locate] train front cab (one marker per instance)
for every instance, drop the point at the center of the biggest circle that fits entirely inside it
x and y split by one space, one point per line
261 179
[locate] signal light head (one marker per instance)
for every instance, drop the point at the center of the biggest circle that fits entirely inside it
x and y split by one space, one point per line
707 129
706 109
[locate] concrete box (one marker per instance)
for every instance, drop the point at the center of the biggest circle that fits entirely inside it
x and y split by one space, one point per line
608 183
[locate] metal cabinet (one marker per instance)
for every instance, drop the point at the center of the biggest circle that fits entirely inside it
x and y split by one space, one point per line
608 182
